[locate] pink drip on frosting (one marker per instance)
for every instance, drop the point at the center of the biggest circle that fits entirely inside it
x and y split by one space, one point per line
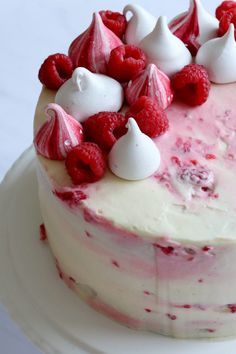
153 83
92 48
113 313
186 27
58 135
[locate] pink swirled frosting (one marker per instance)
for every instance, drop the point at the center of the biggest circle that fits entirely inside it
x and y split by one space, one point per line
58 135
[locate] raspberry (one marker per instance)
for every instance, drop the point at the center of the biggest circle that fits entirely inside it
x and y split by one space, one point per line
225 21
192 84
105 128
199 176
115 21
150 117
55 70
85 163
224 7
125 62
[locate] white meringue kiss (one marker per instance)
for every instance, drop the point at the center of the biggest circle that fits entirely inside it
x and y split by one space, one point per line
219 58
134 156
140 24
196 26
87 93
153 83
58 135
164 49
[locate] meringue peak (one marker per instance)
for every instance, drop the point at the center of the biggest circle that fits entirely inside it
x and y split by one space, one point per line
88 93
58 135
219 57
164 49
92 48
140 24
153 83
134 156
162 26
195 26
229 37
133 128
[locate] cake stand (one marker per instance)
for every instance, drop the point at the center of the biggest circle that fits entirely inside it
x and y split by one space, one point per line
49 313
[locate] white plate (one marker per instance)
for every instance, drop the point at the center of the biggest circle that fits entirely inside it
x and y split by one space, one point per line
50 314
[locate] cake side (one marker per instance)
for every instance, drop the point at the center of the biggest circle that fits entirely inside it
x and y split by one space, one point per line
172 288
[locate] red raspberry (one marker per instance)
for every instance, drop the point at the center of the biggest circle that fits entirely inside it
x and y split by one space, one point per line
150 117
115 21
225 21
55 70
125 62
192 84
200 176
224 7
85 163
105 128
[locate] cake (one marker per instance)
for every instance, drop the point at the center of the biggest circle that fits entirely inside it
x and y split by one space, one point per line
137 193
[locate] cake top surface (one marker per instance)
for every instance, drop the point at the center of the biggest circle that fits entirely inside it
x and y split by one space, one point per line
175 201
173 169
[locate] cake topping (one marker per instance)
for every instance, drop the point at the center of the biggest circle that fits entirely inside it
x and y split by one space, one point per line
192 84
134 156
225 21
164 49
219 57
126 61
87 93
115 21
153 83
92 48
224 7
194 27
150 117
58 135
198 176
55 70
105 128
85 163
140 24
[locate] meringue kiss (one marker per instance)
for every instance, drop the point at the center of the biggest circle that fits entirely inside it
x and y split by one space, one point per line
58 135
153 83
140 24
92 48
195 27
87 93
219 58
164 49
134 156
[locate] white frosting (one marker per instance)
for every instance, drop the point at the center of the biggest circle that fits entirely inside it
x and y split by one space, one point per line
87 93
140 24
134 156
219 58
208 24
164 49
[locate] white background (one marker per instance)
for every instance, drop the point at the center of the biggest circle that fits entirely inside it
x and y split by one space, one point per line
30 30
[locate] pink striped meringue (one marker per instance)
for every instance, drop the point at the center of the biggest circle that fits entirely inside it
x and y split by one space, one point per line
92 48
58 135
153 83
195 26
